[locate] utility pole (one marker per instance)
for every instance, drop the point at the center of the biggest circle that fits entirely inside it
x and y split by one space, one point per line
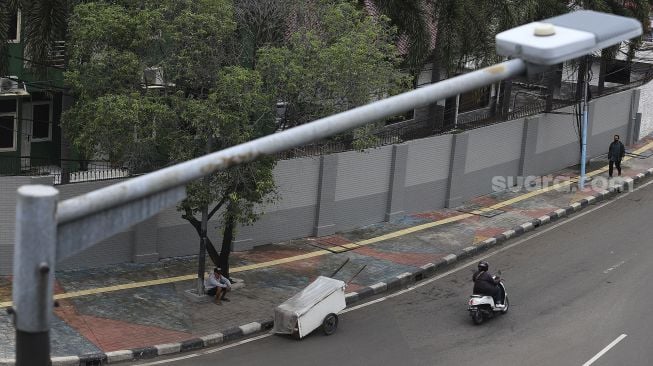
583 150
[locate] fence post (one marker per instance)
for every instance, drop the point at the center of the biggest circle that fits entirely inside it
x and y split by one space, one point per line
34 263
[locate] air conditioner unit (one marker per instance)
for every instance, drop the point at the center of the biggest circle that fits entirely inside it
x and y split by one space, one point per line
153 77
8 85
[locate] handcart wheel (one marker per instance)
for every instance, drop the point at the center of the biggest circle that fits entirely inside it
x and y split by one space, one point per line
330 324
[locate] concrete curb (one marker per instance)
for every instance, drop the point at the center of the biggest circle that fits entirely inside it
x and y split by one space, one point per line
389 284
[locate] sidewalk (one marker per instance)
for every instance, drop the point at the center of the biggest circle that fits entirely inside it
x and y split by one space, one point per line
142 310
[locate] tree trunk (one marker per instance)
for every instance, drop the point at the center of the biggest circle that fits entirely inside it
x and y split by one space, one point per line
227 240
210 249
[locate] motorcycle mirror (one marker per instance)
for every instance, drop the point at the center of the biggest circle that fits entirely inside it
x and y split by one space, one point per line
499 272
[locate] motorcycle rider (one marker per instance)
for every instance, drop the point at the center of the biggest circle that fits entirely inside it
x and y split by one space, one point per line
486 284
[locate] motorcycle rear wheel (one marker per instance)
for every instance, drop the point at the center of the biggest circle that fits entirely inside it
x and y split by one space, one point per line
477 317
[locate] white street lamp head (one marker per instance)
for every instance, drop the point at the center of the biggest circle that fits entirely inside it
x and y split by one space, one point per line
565 37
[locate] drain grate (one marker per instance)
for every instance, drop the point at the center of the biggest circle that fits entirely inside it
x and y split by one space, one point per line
479 210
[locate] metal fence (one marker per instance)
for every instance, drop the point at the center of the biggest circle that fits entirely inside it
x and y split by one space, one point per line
72 171
62 170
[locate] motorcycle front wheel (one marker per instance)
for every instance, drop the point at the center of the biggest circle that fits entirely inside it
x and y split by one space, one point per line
507 305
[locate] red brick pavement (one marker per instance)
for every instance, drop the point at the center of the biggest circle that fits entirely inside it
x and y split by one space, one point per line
112 335
410 259
489 232
435 215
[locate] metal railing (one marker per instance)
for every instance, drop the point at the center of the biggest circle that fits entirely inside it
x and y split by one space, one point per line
57 55
62 170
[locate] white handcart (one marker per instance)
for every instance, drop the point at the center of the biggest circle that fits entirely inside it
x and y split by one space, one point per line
316 305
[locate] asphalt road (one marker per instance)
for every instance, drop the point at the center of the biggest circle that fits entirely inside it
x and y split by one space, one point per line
575 288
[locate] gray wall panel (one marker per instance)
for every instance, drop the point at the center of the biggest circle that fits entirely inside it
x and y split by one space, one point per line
556 159
282 225
8 187
297 180
611 110
75 189
428 160
479 182
117 249
180 240
494 145
363 173
425 197
360 211
556 130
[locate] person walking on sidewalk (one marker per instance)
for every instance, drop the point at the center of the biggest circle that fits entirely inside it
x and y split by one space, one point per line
217 285
616 153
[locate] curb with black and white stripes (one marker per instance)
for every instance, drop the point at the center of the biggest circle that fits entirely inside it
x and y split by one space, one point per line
158 350
390 284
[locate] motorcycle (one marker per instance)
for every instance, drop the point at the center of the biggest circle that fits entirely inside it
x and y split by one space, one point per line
482 307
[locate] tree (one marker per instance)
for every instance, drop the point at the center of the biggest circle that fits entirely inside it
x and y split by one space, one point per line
199 93
335 59
259 23
44 22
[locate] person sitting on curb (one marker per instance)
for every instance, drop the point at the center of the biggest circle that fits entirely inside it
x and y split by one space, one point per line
217 285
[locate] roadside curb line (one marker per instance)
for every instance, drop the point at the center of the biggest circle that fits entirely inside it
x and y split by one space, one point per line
392 283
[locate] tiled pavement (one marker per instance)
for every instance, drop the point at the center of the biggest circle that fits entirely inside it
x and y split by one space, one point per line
160 314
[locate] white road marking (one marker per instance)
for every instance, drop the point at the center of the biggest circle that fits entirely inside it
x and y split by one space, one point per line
456 269
606 349
213 350
614 267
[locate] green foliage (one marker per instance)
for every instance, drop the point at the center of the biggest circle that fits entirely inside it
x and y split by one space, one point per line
340 60
466 28
44 22
204 97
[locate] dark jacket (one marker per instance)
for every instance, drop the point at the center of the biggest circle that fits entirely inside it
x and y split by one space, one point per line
616 151
484 284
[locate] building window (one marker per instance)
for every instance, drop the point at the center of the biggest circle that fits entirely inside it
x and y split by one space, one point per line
14 27
7 131
42 121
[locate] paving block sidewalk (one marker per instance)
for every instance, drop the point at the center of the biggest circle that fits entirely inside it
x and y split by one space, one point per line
157 310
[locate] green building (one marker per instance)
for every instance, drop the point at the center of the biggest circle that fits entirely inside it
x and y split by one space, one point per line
30 107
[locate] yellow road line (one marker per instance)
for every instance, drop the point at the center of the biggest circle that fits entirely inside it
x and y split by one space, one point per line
336 248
